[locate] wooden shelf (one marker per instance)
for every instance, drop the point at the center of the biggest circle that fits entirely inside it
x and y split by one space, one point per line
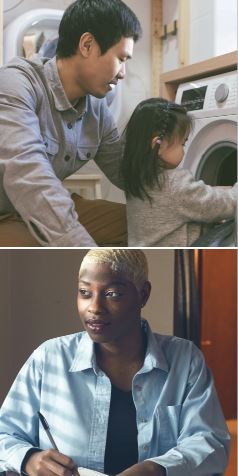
170 81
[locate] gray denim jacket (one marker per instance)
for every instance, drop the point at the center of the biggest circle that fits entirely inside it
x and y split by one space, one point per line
43 139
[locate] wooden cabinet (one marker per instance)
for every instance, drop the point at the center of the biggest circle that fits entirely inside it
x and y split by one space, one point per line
218 298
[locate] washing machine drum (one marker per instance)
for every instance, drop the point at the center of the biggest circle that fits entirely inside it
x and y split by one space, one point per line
219 165
212 153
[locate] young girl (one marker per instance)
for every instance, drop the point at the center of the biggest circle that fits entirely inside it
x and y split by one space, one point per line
166 206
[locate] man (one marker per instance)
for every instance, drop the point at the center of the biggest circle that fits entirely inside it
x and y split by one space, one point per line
54 119
118 398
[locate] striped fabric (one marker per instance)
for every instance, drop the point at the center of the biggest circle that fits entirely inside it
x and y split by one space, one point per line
179 420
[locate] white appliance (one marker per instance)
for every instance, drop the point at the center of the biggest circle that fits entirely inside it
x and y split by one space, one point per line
211 151
35 21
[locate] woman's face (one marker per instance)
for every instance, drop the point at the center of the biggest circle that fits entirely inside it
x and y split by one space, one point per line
109 305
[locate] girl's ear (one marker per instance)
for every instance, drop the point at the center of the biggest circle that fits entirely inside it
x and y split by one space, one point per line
155 140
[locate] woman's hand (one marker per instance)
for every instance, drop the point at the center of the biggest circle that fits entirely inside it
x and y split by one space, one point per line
146 468
50 463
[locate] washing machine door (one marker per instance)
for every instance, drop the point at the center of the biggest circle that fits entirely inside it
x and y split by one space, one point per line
211 153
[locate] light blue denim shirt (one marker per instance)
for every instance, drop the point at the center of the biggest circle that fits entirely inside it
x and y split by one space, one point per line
43 139
179 420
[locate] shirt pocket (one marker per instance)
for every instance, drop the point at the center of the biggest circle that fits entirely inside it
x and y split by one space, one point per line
168 424
86 153
51 146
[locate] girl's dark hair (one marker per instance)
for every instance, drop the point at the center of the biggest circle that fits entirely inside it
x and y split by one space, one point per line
141 168
107 20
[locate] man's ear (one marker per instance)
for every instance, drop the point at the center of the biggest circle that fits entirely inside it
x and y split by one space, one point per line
86 43
145 293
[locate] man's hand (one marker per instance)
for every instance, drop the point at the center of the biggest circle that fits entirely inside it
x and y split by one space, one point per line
50 463
146 468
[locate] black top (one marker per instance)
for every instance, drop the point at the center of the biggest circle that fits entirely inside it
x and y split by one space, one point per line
121 446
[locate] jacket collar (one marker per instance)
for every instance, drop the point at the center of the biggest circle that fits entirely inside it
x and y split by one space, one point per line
60 99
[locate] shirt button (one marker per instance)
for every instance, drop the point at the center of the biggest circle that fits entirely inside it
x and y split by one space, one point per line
88 155
70 125
146 447
67 158
46 144
143 420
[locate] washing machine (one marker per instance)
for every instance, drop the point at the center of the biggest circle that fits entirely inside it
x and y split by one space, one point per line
211 150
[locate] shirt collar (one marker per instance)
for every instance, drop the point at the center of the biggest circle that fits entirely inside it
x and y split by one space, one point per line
85 357
155 357
60 99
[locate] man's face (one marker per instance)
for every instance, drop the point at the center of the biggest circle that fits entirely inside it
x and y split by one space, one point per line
108 304
99 74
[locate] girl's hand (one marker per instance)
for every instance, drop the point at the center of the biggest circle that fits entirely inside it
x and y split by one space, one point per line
50 463
146 468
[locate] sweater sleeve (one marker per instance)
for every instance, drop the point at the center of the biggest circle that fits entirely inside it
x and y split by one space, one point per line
197 201
29 180
110 151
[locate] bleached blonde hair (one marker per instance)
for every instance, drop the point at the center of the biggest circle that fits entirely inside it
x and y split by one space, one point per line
130 262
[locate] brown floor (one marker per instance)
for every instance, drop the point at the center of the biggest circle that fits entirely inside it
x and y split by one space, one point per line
232 465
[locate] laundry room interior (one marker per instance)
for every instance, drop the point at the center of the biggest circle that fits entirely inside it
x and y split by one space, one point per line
187 53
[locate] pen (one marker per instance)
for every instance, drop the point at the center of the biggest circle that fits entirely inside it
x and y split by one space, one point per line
47 430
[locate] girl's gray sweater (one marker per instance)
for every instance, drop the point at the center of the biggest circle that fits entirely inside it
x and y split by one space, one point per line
179 211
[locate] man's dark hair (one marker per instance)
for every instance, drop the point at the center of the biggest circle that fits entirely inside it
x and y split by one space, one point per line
107 20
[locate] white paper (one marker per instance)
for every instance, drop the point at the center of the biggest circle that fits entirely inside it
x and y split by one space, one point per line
89 472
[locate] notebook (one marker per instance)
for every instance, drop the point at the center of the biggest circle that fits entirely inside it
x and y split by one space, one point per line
89 472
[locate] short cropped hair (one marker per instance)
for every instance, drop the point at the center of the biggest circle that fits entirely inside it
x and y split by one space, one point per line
107 20
131 263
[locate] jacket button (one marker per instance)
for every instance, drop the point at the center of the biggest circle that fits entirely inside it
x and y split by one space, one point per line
67 158
88 155
70 125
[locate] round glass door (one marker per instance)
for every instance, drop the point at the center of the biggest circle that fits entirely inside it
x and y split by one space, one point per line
218 165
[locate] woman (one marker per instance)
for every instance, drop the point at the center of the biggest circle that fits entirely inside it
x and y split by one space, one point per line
118 398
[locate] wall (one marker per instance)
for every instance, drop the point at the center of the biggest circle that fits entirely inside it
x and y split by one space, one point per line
170 45
225 26
201 30
38 292
212 30
159 309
